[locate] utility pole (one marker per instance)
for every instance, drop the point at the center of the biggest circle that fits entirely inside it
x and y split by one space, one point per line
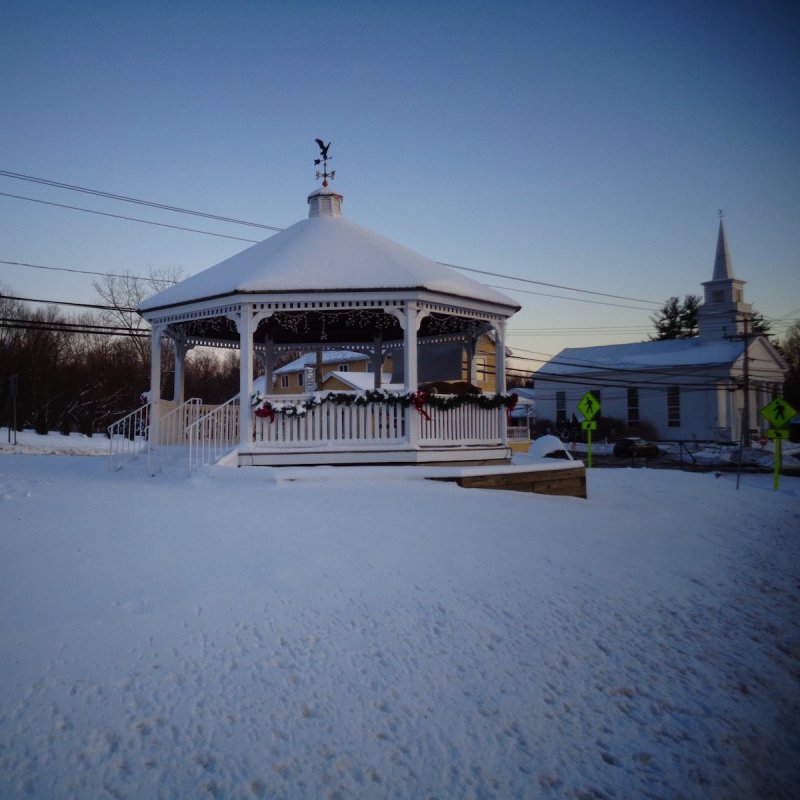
745 336
746 376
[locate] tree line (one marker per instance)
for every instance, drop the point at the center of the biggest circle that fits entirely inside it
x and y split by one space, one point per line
83 371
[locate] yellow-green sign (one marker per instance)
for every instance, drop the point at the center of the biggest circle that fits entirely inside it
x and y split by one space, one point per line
777 433
589 425
778 412
588 406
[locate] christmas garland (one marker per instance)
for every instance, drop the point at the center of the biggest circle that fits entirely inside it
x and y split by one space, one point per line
265 408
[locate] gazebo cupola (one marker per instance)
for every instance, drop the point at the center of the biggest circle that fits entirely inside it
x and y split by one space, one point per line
326 283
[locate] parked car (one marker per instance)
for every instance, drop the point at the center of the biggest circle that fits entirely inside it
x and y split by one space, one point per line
633 446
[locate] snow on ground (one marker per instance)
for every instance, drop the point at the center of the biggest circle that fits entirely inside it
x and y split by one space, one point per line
240 635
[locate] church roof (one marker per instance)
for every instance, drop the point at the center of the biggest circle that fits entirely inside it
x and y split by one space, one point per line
664 353
325 253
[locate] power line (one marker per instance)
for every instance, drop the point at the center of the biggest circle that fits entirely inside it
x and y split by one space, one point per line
127 199
575 299
66 303
84 271
552 285
129 219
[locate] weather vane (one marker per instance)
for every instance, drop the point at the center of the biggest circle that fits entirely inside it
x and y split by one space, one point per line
323 151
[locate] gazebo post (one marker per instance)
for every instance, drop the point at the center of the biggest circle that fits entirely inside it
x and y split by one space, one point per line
181 349
244 322
411 320
472 367
500 374
155 380
377 359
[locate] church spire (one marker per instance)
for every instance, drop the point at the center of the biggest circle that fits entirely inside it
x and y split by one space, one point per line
723 266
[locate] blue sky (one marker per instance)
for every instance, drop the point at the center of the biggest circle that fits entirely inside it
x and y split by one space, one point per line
585 144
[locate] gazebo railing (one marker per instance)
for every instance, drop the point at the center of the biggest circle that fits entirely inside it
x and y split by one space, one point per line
378 424
213 434
331 423
464 425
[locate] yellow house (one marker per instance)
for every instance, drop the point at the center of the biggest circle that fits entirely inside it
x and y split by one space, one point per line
336 365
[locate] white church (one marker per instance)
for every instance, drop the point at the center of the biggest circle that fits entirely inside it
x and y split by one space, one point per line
709 388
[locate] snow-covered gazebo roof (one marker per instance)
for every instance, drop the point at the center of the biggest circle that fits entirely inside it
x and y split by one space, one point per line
322 254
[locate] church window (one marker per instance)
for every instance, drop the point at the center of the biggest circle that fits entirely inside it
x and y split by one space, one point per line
561 409
717 296
674 407
633 407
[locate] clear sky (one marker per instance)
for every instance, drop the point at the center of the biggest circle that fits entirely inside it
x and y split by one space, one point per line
587 144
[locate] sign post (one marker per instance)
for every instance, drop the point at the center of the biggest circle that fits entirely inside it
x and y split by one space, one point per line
778 413
589 406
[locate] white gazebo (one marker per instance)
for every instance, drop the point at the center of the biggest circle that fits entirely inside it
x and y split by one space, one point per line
326 283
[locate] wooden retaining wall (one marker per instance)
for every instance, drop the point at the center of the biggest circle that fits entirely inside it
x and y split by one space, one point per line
570 482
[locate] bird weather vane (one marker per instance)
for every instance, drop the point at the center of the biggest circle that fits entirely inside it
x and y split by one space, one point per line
323 151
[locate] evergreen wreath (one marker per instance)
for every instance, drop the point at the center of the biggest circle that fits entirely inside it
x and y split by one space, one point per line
265 408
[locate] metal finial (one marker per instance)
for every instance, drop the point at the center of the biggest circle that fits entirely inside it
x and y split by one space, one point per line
323 151
719 212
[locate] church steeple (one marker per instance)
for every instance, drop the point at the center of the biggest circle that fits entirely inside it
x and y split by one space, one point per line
723 266
723 309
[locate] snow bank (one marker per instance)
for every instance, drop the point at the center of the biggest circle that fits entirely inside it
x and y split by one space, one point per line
239 635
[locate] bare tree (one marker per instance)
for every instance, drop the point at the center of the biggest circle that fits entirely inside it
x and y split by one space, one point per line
124 294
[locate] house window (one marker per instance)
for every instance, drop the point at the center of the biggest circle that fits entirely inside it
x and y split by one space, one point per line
481 371
341 367
674 407
561 409
284 381
633 407
300 378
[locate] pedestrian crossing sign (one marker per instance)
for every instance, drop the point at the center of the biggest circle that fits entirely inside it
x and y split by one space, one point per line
778 412
589 406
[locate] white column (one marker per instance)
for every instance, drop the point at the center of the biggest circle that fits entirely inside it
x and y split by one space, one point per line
245 325
411 320
269 364
500 357
155 380
181 349
377 360
500 375
410 345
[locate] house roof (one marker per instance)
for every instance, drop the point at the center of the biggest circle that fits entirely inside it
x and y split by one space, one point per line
325 253
363 381
645 355
328 357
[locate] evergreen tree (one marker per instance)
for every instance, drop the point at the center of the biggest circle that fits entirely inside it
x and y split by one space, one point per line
676 319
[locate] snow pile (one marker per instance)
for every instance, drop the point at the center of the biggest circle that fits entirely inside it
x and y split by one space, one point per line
242 634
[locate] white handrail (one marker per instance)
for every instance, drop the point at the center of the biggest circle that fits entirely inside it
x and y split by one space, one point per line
172 436
213 434
129 436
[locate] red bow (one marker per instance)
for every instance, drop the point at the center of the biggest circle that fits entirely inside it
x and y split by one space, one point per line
266 411
419 399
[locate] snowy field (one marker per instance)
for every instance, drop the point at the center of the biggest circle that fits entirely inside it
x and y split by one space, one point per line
358 635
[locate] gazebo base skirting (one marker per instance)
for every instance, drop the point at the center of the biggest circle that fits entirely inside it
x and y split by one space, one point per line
353 455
